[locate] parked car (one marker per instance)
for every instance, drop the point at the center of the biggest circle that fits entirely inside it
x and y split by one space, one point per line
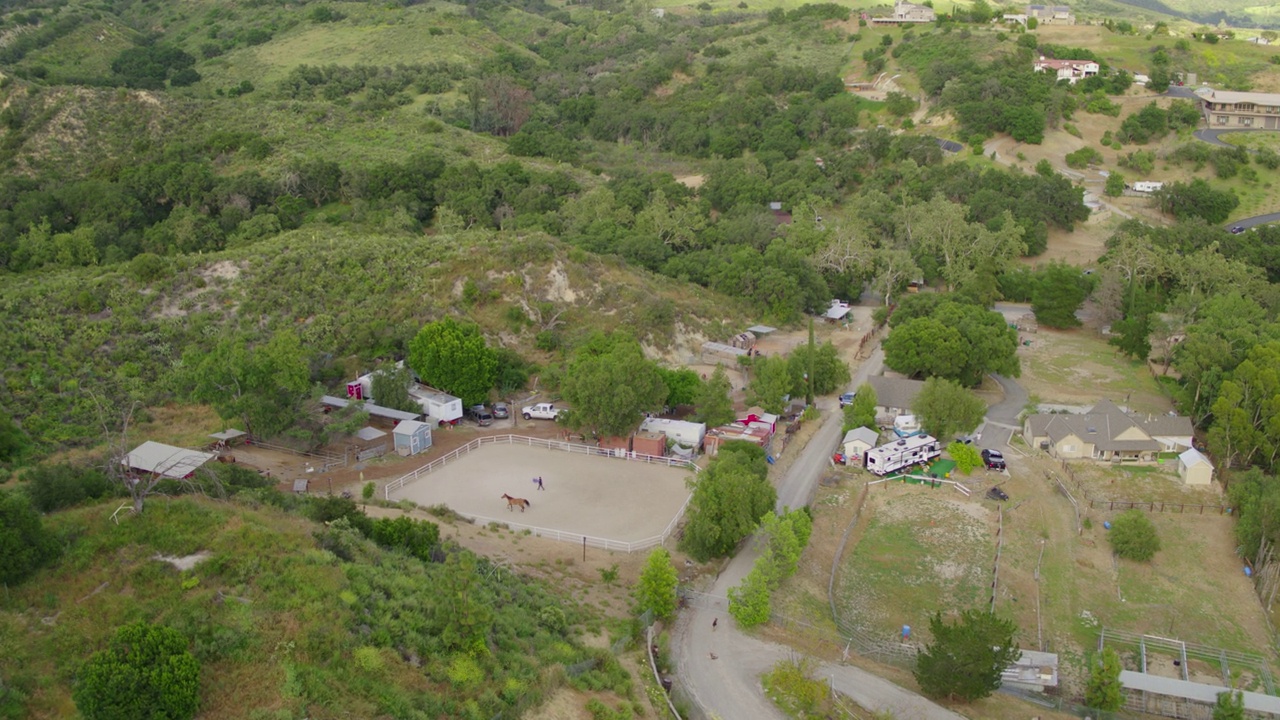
1237 229
481 415
501 410
541 411
998 494
993 459
847 398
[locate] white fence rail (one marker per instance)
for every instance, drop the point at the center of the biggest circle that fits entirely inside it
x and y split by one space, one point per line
561 535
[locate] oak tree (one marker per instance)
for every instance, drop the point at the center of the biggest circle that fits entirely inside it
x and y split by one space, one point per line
610 384
453 356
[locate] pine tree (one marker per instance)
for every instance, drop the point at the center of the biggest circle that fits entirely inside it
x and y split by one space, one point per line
965 659
656 590
1103 691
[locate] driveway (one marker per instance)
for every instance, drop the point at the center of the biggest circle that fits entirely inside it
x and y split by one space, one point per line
721 666
1007 410
1211 136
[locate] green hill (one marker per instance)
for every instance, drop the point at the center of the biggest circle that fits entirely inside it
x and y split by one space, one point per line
289 619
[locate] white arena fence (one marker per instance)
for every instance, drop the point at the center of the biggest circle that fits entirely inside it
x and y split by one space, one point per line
604 543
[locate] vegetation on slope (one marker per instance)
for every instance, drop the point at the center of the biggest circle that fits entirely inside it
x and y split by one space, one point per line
287 617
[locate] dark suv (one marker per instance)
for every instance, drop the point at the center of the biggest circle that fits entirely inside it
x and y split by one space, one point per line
993 459
481 415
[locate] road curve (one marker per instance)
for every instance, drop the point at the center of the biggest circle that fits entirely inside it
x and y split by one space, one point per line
721 666
1213 137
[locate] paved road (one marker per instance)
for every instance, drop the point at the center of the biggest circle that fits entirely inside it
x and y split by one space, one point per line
1007 410
728 686
1211 136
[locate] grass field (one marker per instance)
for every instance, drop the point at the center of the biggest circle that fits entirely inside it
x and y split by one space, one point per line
922 551
1076 367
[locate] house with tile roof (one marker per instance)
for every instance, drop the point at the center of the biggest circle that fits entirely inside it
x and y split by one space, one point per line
1108 433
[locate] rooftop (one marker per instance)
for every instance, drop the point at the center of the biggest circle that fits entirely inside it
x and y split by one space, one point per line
166 460
1231 97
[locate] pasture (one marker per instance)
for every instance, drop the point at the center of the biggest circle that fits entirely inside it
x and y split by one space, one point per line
590 496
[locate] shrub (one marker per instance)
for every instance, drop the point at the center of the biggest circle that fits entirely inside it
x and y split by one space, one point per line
967 457
25 544
53 487
1133 536
1083 157
147 672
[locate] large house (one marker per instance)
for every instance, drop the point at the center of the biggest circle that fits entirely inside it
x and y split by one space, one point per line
1069 70
1051 14
908 13
1241 110
894 396
1108 433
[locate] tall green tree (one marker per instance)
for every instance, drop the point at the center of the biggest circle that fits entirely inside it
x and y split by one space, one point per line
390 388
862 411
958 341
771 381
729 498
946 409
826 372
656 589
610 384
714 404
146 672
939 228
25 544
1103 690
463 615
264 387
966 657
1229 706
453 356
683 386
1059 291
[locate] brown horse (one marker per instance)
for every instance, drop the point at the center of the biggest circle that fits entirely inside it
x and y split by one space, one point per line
515 502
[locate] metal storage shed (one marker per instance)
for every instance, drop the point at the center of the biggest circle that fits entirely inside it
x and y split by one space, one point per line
165 460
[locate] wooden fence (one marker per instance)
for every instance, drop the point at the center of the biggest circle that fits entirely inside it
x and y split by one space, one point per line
1159 506
550 533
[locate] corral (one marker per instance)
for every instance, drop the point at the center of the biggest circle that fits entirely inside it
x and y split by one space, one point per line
614 503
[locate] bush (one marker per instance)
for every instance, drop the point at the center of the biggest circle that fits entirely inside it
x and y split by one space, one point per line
967 457
1133 536
25 544
147 672
1083 157
53 487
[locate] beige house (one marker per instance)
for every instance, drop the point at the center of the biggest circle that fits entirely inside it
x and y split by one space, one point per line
1108 433
1194 468
1225 109
1051 14
857 442
907 13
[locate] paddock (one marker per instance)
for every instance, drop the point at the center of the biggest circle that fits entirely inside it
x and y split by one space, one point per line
600 498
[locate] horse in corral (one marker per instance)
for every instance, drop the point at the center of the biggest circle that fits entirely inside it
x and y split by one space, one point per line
515 502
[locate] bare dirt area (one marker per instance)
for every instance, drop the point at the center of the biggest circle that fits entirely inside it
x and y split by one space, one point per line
620 500
1077 367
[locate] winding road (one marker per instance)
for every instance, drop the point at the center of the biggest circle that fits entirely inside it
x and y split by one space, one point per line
1213 137
721 666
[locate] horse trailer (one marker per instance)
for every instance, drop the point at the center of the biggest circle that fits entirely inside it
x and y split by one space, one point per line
901 453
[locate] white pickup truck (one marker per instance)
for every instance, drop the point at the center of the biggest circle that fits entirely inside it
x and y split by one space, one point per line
541 411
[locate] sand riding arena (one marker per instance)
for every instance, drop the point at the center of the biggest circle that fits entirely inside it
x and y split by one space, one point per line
627 503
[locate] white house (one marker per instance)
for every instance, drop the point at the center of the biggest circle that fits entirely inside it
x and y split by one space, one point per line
1069 70
439 406
1194 468
412 437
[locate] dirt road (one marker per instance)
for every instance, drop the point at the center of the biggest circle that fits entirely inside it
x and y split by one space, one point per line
721 666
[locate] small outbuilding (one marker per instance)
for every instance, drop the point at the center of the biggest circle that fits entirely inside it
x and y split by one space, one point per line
412 437
857 442
1194 468
165 460
683 432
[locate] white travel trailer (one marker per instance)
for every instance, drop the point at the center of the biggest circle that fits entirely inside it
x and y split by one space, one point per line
902 453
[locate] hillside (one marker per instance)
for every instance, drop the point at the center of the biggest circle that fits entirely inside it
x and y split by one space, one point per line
283 625
120 335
